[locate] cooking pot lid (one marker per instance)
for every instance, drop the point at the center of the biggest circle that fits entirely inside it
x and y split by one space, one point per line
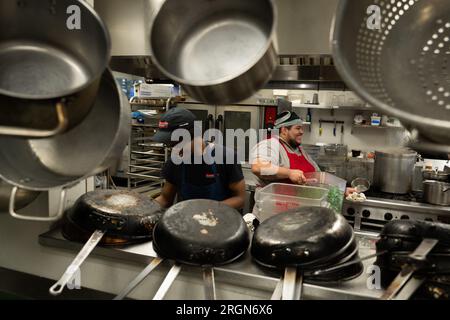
301 237
396 152
201 232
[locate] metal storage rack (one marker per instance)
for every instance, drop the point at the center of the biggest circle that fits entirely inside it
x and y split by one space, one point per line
146 158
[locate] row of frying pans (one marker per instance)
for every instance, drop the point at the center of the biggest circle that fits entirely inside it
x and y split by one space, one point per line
207 233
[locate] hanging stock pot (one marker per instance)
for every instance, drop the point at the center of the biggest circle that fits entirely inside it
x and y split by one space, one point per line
50 68
220 51
64 160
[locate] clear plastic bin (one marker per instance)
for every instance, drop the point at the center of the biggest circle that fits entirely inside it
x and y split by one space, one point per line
277 198
335 185
322 178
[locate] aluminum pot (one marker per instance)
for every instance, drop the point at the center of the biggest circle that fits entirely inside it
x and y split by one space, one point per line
50 69
436 192
394 170
92 147
23 198
220 51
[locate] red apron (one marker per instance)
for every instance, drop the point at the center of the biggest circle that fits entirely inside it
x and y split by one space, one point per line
297 162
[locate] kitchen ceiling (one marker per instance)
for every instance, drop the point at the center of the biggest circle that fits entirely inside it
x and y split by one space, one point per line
303 29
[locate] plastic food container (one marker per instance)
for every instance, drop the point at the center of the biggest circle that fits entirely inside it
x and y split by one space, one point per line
278 197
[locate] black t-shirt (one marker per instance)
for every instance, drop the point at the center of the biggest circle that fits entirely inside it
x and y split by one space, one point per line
203 174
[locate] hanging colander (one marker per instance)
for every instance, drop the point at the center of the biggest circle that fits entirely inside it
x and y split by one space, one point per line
395 55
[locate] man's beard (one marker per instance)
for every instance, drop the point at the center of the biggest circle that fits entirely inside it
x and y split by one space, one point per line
294 144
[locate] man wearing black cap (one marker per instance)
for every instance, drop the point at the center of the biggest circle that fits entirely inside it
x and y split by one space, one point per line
208 179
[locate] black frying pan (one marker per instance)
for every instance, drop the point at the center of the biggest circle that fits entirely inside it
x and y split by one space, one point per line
399 238
307 238
202 233
126 217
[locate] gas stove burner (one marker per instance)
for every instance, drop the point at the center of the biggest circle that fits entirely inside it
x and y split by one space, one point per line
409 197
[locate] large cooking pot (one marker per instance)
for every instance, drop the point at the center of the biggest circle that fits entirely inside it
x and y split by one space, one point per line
62 161
23 198
436 192
394 170
50 72
220 51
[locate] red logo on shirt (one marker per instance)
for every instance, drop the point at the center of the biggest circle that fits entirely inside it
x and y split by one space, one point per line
163 125
210 176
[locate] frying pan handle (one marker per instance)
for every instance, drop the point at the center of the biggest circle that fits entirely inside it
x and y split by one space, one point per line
74 267
168 281
63 122
12 212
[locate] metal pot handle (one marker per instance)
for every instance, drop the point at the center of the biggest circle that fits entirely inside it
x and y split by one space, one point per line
12 212
446 189
62 125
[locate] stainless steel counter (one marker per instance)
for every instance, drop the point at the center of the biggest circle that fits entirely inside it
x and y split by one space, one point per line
243 273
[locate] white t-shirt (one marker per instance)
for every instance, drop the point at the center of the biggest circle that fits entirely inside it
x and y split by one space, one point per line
273 152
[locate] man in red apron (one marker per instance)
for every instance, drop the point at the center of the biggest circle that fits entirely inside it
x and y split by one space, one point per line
281 158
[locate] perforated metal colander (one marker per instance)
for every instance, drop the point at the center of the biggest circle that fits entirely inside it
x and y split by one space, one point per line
401 65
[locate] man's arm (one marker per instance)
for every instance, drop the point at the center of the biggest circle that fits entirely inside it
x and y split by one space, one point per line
237 201
267 171
167 196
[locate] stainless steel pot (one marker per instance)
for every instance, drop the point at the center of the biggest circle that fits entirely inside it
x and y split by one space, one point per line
50 72
394 170
436 192
64 160
23 198
220 51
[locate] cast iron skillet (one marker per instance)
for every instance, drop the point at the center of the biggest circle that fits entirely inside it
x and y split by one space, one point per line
308 238
203 233
126 217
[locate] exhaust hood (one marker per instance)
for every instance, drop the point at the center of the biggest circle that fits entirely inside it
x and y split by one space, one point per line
303 29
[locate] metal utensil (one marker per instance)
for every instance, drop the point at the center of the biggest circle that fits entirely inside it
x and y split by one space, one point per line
361 185
74 267
391 72
216 46
418 257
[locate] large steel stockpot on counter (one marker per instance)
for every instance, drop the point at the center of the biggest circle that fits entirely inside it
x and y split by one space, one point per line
52 57
394 170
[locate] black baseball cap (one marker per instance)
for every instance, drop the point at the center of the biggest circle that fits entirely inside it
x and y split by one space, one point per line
175 118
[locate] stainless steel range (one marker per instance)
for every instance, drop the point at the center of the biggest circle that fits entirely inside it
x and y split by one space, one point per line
380 208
